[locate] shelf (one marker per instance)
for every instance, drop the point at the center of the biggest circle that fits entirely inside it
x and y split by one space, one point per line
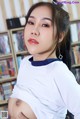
3 102
3 32
5 56
8 79
22 53
75 43
74 21
76 66
17 29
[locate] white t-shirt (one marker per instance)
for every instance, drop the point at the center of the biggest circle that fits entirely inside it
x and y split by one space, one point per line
48 87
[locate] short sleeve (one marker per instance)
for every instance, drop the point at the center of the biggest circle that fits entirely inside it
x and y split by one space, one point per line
69 90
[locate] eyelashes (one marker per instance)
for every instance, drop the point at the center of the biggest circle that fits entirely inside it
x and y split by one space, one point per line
30 23
43 24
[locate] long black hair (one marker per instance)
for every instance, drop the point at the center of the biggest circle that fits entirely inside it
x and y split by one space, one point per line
61 18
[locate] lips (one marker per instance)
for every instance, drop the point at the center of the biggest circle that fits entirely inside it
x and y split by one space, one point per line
33 41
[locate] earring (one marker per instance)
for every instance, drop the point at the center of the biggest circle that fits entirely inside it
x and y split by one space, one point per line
60 56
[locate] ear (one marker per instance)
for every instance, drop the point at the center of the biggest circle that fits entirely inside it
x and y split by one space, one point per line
61 37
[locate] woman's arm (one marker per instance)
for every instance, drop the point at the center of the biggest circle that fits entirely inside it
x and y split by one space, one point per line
69 90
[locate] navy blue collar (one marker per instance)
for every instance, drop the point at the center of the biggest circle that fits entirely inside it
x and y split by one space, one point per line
43 62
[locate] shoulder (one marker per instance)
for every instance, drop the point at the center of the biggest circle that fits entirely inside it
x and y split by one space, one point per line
25 59
61 68
62 73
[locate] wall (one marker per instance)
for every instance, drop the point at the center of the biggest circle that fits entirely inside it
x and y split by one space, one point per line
18 8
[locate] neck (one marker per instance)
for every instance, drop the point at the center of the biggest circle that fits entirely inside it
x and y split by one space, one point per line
39 57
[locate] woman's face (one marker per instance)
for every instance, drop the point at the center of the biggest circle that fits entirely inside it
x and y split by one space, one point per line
39 34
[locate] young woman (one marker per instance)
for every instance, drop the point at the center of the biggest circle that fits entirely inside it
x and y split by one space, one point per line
45 87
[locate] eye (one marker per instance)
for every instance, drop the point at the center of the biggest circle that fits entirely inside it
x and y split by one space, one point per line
45 25
30 23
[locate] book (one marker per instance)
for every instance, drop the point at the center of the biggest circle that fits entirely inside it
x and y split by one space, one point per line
13 84
7 68
15 42
19 59
11 67
4 71
1 89
3 108
7 88
74 32
20 41
7 96
77 75
4 44
1 93
78 27
1 97
76 51
74 9
72 57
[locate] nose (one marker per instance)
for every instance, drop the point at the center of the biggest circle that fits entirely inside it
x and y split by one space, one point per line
35 31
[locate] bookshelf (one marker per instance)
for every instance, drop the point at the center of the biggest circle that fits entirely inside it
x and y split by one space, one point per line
12 55
7 68
20 50
8 79
3 102
75 45
76 66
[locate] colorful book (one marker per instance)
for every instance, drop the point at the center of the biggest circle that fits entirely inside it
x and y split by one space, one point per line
7 87
4 71
20 40
4 44
11 67
76 51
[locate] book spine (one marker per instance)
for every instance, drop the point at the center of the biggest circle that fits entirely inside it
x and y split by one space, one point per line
78 26
15 42
4 71
74 32
4 44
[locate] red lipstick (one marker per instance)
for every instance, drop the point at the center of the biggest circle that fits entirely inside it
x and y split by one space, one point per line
33 41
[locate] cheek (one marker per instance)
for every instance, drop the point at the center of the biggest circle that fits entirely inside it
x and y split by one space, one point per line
26 31
47 33
26 34
47 37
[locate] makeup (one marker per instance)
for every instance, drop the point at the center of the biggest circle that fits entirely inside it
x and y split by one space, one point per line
33 41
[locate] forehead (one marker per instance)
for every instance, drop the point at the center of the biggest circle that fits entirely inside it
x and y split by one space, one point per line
42 11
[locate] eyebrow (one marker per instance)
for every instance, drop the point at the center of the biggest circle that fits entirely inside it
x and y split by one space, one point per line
45 18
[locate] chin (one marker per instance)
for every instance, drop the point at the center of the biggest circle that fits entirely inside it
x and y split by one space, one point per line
32 52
